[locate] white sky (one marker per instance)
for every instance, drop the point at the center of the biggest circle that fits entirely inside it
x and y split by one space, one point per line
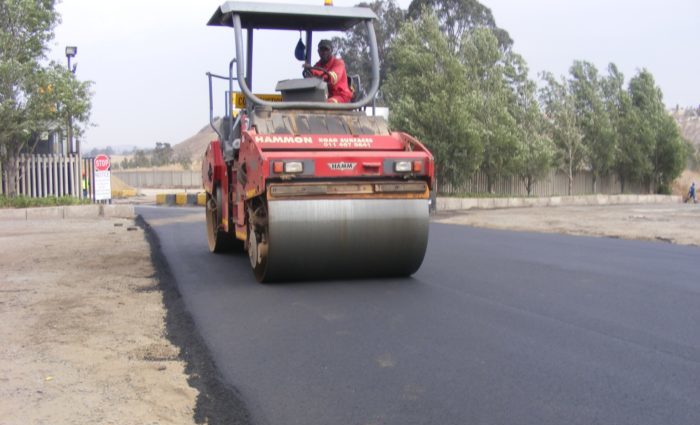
148 59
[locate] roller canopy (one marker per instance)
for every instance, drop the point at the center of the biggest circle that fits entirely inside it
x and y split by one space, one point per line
290 16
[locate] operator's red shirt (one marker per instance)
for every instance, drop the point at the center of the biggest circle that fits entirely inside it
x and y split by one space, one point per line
338 90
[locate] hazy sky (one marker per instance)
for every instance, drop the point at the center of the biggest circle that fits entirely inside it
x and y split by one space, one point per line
148 59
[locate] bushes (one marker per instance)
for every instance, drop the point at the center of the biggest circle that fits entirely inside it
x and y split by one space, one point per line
50 201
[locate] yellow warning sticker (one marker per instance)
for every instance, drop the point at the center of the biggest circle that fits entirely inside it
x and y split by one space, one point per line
238 99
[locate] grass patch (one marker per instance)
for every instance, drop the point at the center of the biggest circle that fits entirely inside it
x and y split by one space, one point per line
49 201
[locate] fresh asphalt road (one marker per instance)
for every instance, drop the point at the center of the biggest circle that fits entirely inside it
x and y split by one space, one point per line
496 327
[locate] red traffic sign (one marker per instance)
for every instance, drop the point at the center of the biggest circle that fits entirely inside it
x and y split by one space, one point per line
102 162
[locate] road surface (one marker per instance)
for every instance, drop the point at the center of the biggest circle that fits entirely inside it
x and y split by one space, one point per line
497 327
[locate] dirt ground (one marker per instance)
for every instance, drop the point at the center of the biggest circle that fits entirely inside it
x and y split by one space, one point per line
675 223
94 331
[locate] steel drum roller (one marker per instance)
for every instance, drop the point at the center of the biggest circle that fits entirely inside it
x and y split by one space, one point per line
345 238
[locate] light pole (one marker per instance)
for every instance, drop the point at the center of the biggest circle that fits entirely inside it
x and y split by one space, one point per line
71 51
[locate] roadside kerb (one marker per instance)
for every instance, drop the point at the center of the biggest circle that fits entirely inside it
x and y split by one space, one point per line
68 212
181 198
81 211
456 204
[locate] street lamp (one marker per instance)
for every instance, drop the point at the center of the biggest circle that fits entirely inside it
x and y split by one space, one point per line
71 51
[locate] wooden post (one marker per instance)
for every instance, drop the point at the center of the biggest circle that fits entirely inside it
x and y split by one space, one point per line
42 180
50 181
17 182
57 176
30 166
61 177
65 177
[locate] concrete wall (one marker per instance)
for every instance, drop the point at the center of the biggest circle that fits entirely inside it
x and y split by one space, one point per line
160 179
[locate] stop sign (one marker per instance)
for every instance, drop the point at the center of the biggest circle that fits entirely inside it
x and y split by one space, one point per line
101 162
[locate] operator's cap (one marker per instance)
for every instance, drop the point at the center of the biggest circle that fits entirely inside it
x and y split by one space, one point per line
325 43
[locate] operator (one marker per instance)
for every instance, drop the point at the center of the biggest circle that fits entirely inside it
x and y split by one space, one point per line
335 75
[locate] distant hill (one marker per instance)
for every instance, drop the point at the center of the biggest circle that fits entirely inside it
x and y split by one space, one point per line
688 120
194 146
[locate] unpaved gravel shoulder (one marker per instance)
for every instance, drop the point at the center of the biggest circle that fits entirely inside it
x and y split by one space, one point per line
94 331
675 223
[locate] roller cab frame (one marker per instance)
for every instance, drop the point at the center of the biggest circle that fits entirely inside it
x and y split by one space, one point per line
311 189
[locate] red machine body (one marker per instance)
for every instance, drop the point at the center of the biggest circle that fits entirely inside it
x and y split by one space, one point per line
335 159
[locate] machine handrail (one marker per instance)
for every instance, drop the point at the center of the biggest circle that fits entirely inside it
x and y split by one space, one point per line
230 80
211 104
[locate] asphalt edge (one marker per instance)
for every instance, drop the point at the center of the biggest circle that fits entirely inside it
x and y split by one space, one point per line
217 402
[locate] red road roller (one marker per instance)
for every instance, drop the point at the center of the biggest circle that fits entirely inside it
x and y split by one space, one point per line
309 188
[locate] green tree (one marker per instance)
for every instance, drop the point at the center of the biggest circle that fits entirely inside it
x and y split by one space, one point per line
353 47
162 155
623 120
560 109
656 133
457 17
140 159
60 97
33 96
535 153
648 108
184 161
593 119
429 98
493 119
25 29
670 154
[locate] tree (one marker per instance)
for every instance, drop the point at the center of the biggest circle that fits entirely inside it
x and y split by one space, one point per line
535 153
670 154
139 160
648 107
493 118
430 98
184 161
623 120
162 155
593 119
560 109
457 17
25 28
656 133
65 98
32 96
353 48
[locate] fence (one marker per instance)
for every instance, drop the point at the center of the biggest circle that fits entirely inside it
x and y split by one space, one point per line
160 179
39 176
555 183
58 175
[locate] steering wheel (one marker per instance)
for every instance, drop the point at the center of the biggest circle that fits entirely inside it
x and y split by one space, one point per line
307 72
